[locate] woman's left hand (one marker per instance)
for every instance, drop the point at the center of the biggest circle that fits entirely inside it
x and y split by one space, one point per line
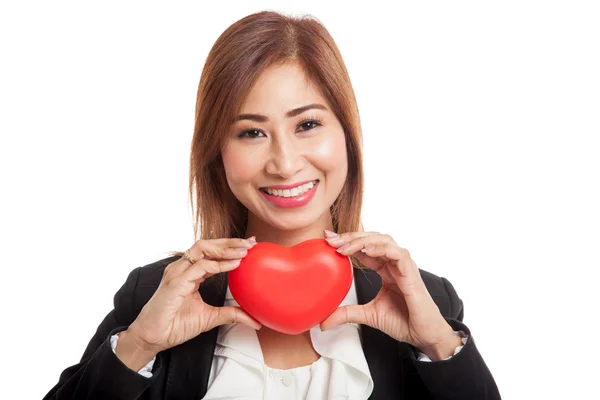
403 308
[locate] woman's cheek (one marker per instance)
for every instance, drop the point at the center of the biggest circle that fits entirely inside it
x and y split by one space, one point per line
239 167
330 151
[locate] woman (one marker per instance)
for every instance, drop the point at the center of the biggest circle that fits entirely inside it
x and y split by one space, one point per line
275 111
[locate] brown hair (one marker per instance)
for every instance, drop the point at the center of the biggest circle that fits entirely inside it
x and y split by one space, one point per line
234 63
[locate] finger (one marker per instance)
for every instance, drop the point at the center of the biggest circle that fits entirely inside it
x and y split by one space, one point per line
375 263
347 314
341 239
217 248
366 243
231 253
223 249
204 269
233 315
234 242
408 279
405 266
176 268
201 270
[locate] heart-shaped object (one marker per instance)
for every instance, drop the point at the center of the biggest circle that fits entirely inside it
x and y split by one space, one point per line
291 289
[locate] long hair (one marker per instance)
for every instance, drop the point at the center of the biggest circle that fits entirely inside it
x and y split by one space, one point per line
234 63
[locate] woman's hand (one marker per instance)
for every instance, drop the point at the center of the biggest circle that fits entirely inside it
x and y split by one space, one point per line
176 313
403 308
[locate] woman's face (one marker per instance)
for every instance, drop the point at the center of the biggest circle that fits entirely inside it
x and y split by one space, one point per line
286 138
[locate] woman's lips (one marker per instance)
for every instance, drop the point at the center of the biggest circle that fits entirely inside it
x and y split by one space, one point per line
293 201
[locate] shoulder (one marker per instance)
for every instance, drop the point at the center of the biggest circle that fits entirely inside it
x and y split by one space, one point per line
140 285
444 295
434 283
441 290
151 274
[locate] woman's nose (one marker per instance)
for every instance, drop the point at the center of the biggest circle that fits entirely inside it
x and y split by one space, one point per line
285 158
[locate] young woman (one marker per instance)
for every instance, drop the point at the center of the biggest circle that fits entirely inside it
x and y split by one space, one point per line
276 157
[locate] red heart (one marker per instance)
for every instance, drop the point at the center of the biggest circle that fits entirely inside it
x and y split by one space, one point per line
291 289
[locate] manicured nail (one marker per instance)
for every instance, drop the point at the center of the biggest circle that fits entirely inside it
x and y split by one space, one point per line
344 247
367 249
251 239
330 234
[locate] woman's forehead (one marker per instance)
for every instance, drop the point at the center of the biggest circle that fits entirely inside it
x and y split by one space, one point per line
281 88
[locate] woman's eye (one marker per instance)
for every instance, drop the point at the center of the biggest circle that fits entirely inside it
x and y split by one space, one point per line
308 125
250 133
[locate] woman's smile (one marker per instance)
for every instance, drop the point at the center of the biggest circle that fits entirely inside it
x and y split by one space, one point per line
289 196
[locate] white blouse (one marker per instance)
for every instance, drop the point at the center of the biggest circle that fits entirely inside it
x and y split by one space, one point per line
238 369
341 372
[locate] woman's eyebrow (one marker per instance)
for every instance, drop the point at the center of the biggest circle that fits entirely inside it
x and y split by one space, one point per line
289 114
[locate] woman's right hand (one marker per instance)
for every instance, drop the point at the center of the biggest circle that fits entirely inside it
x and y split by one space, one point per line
176 313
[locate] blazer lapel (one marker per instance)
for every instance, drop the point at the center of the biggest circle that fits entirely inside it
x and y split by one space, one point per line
190 362
380 349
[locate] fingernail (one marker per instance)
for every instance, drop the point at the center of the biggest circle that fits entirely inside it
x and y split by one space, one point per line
344 247
241 249
330 234
367 249
251 240
332 239
233 262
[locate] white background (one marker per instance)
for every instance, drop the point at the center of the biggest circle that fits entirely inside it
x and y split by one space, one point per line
481 127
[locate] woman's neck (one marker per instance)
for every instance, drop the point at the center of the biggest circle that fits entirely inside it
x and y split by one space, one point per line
267 233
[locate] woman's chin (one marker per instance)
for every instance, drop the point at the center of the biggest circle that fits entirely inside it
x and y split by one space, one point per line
291 222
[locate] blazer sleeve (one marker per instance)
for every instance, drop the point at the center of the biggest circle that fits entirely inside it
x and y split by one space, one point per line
463 376
100 374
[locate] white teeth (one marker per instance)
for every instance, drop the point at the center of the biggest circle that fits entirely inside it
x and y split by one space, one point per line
298 190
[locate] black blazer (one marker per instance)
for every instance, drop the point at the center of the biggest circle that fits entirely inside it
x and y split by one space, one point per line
182 372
